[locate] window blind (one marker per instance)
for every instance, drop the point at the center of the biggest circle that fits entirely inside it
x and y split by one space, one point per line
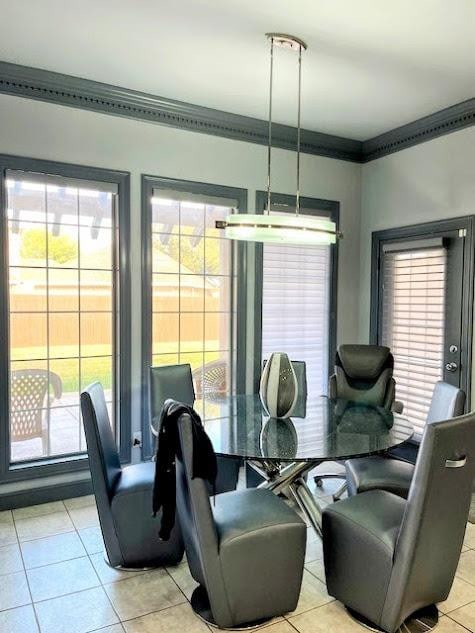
413 315
296 305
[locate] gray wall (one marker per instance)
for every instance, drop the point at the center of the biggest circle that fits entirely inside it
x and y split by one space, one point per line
432 181
43 130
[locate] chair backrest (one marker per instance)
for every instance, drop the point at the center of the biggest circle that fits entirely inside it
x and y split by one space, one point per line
447 402
104 459
28 391
364 373
212 379
432 531
197 522
169 382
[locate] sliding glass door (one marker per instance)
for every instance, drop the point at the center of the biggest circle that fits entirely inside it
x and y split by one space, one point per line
424 309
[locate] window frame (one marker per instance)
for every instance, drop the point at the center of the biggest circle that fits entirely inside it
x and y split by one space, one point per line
149 183
318 207
10 472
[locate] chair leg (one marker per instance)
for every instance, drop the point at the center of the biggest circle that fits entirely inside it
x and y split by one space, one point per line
341 490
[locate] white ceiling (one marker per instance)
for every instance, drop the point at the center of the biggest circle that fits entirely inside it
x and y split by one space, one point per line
371 65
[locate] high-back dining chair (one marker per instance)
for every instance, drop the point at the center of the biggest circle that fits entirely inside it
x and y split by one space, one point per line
176 382
124 495
411 548
394 471
245 549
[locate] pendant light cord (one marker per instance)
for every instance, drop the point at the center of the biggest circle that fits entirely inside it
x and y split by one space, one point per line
297 195
269 146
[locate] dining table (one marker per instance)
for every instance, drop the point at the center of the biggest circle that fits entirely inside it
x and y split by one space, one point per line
284 450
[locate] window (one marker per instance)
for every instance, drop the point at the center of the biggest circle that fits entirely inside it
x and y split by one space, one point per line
298 297
62 286
192 285
413 324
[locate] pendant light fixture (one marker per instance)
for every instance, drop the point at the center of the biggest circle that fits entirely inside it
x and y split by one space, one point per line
287 228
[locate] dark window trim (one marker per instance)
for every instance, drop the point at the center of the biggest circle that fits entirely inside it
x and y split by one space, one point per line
424 231
66 464
330 208
206 189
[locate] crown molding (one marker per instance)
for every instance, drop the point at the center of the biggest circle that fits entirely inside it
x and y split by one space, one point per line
45 85
445 121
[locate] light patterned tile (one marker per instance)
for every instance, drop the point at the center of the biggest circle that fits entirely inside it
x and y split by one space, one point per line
462 593
14 591
314 549
79 502
312 594
144 594
465 616
115 628
92 539
182 576
52 549
7 534
19 620
42 526
6 516
330 617
84 517
10 559
173 620
108 574
446 625
466 567
80 612
38 510
469 540
317 568
62 578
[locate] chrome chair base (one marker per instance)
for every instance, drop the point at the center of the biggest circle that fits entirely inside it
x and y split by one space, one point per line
201 607
419 622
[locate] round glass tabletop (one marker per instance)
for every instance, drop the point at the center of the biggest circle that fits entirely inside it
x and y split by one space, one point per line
325 429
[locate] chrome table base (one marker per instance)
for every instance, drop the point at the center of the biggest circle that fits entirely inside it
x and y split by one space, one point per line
419 622
290 481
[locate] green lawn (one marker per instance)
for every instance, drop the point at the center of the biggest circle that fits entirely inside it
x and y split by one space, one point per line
92 369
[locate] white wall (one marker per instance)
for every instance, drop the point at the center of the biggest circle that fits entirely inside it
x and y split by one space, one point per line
43 130
432 181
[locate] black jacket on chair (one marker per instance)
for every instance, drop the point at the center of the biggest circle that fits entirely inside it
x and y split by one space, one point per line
204 461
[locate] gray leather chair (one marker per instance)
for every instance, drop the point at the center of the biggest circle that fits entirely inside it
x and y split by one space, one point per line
176 382
391 472
386 558
245 549
364 373
123 495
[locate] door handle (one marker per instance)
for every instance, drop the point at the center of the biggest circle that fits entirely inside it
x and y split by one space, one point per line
451 366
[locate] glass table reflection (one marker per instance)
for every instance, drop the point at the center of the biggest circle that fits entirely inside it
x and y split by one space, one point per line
283 451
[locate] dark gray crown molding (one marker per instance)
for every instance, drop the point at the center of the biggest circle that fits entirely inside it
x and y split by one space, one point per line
440 123
44 85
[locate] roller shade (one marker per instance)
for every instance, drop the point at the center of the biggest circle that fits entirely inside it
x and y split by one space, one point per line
296 305
413 316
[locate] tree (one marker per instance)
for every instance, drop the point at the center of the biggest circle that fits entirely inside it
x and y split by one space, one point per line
191 256
59 248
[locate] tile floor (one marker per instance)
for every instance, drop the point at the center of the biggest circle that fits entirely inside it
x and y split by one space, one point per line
53 579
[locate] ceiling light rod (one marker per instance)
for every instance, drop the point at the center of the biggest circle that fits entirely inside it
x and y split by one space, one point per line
281 228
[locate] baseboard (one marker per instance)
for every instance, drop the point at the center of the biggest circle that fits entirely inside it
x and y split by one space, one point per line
44 494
